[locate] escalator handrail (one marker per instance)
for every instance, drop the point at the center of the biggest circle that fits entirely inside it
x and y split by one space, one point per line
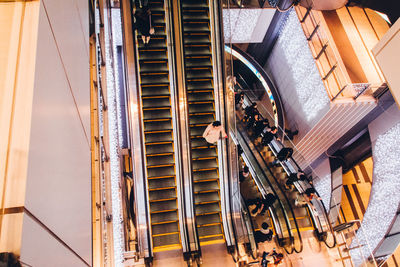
186 186
247 212
197 252
278 199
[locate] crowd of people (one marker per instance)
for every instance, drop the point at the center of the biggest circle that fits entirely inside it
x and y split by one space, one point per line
259 129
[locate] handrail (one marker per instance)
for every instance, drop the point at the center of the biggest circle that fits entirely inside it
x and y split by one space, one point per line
194 252
246 212
245 146
218 60
188 231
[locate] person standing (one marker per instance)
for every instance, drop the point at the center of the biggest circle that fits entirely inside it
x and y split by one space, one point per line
244 174
269 135
143 23
213 132
283 154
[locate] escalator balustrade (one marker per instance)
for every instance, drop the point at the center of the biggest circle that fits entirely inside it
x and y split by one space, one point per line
158 132
200 95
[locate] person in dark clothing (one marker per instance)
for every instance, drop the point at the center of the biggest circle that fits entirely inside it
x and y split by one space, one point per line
264 234
283 154
252 121
259 127
250 111
271 257
240 150
290 134
267 202
244 174
255 206
289 185
302 177
239 97
269 135
143 23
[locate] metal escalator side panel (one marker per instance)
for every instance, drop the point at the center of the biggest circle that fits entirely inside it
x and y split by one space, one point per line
189 238
227 182
136 137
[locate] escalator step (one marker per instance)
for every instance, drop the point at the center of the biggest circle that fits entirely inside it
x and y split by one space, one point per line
204 153
149 91
160 101
208 231
207 209
197 39
166 240
157 114
158 137
206 198
204 176
158 218
161 183
206 186
161 171
163 207
208 219
199 85
162 195
152 67
205 164
158 161
154 79
167 228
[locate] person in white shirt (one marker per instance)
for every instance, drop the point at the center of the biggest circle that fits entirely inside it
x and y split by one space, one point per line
213 132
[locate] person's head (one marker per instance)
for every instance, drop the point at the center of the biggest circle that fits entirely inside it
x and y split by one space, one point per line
256 117
216 123
241 94
264 226
245 169
274 130
254 105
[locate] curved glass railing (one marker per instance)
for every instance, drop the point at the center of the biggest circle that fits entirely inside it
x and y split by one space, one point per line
264 183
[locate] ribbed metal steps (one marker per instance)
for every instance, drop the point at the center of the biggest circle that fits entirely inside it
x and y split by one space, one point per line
200 95
158 132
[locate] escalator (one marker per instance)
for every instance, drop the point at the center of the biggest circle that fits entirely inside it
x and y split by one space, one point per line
200 96
155 96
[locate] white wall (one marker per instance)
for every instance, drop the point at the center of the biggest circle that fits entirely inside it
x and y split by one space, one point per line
58 189
40 249
297 79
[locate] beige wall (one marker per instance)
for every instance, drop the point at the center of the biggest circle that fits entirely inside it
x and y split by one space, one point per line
18 32
45 132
